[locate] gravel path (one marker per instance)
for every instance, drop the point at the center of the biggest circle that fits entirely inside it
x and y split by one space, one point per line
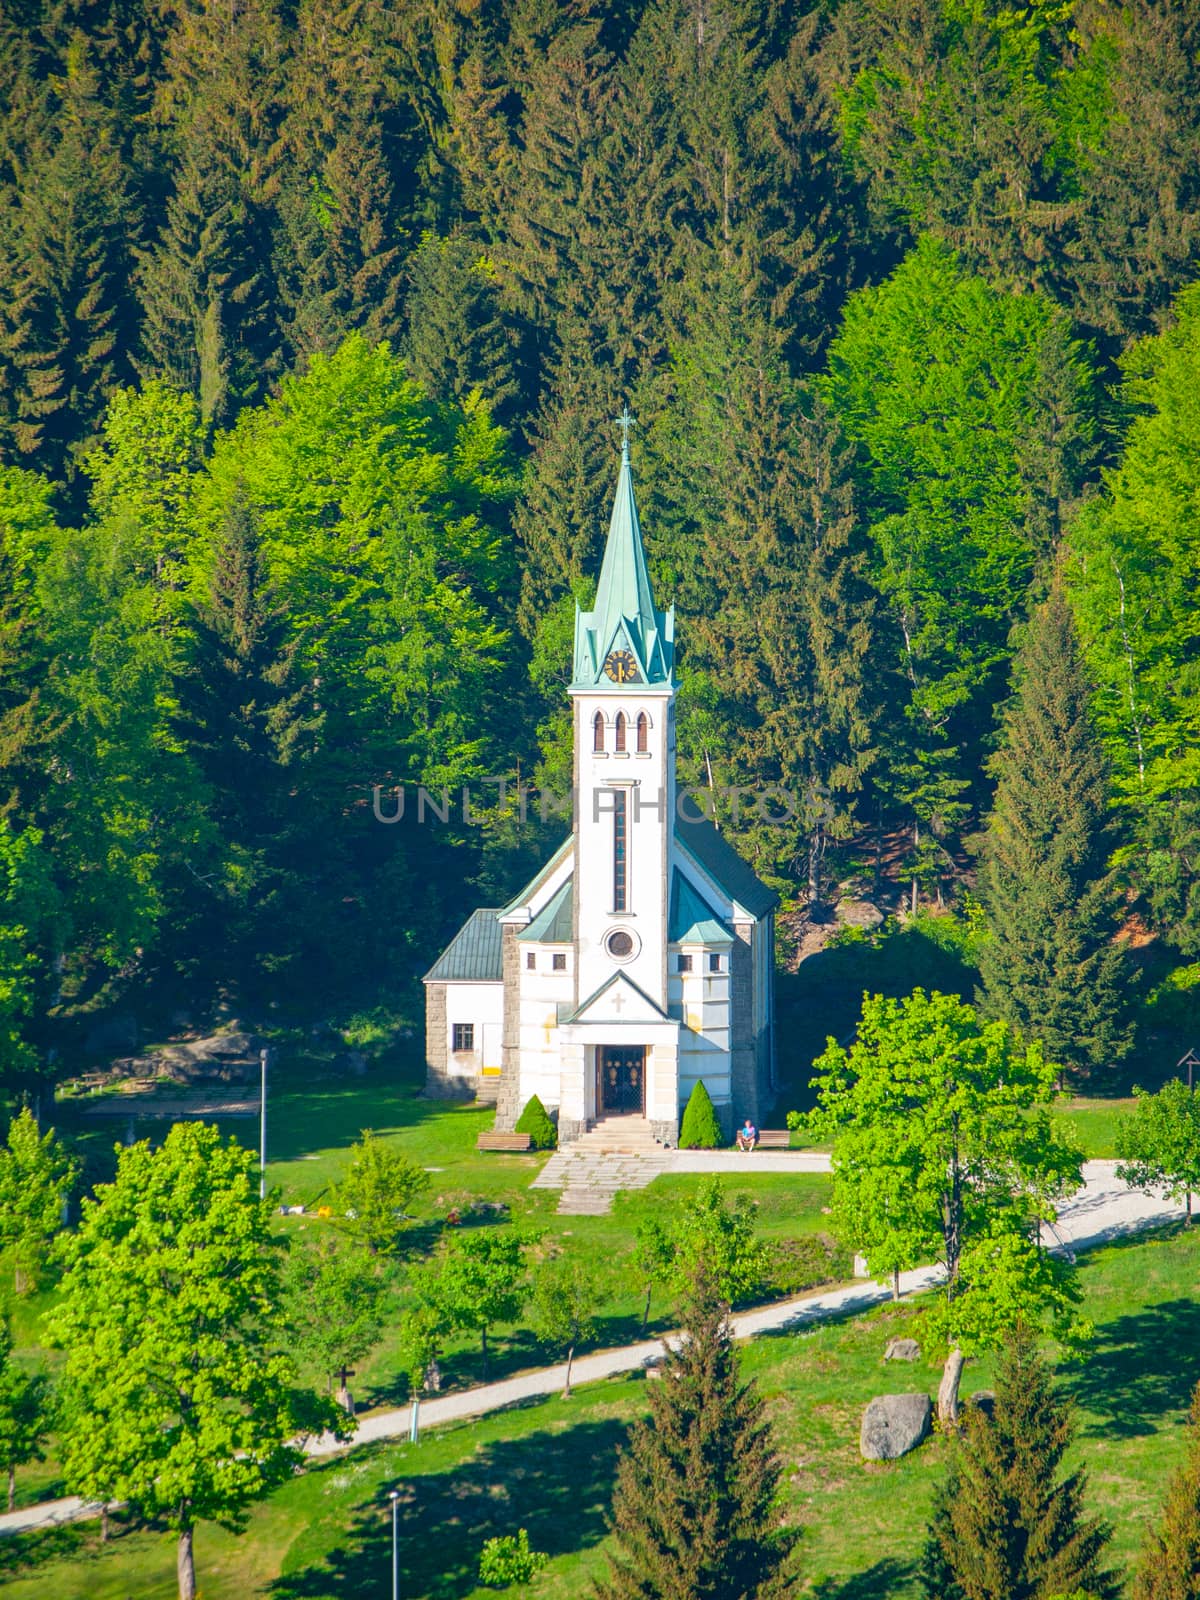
1103 1210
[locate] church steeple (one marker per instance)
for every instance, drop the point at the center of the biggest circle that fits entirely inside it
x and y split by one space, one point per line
624 639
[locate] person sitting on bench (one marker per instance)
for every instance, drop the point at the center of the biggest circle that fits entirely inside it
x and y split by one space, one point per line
747 1135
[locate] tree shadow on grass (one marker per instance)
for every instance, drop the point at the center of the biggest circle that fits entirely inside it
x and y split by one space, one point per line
556 1485
879 1579
1140 1368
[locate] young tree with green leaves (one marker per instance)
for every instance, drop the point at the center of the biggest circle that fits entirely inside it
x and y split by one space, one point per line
378 1189
712 1233
174 1398
1016 1526
944 1147
563 1304
25 1412
333 1308
1169 1568
1158 1143
37 1176
1051 964
695 1506
653 1259
479 1281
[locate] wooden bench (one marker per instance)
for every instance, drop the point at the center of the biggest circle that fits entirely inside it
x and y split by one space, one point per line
502 1141
774 1139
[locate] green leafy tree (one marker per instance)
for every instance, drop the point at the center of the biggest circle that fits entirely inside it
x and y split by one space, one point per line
944 1146
173 1398
653 1260
37 1176
1051 965
480 1281
375 1195
26 649
535 1121
30 917
713 1233
563 1305
25 1412
1135 551
507 1559
1158 1143
695 1505
1169 1568
423 1331
934 376
700 1129
333 1308
1016 1526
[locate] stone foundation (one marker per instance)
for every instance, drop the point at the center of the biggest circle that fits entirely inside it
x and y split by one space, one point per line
667 1133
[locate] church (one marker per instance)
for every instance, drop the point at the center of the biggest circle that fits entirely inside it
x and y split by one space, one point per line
640 959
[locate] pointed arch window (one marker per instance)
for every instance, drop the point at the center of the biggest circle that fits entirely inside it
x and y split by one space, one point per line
598 731
620 739
643 729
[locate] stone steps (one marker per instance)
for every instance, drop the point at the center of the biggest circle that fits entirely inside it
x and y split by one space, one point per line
589 1175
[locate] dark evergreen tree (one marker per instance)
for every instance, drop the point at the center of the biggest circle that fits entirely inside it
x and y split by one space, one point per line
1170 1565
695 1508
1139 226
935 1579
460 334
1051 964
1016 1529
209 300
248 720
71 230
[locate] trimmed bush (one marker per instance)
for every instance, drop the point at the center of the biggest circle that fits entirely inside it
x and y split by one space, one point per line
507 1560
535 1121
700 1130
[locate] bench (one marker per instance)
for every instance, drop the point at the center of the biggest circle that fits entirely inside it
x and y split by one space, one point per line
502 1141
774 1139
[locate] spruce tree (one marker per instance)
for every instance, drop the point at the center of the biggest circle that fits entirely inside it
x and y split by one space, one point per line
1170 1564
1015 1529
1051 965
695 1512
246 715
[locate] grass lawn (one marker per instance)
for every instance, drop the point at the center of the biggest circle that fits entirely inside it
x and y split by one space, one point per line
548 1467
1094 1124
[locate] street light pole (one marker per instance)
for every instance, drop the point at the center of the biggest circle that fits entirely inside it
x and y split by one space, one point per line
394 1498
264 1056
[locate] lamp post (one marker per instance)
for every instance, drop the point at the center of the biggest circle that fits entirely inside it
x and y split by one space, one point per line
264 1057
394 1498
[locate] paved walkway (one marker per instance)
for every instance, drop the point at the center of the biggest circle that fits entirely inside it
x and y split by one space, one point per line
1102 1211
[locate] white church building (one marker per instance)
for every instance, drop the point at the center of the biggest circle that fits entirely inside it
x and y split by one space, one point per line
640 958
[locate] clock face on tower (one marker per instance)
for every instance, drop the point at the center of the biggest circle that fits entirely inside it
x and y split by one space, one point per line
621 667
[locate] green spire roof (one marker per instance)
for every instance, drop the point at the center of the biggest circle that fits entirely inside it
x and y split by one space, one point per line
625 617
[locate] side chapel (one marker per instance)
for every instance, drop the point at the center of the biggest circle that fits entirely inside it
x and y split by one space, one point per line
641 957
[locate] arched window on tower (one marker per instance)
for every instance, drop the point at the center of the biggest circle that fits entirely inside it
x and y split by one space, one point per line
643 728
620 740
598 731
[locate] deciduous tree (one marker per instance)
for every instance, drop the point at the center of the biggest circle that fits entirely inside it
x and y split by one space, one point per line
564 1302
25 1412
37 1176
174 1398
375 1195
480 1280
333 1308
1159 1142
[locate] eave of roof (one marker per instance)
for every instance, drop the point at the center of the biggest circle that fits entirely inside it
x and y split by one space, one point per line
474 955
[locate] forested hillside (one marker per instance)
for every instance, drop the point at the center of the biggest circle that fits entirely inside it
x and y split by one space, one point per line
314 319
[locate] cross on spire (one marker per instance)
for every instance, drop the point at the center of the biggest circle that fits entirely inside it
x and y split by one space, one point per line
624 422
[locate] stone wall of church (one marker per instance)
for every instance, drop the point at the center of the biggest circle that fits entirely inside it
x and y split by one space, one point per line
508 1096
438 1081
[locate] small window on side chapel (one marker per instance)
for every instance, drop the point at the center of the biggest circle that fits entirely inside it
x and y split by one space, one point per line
530 960
464 1036
714 963
620 739
558 963
598 731
643 728
685 963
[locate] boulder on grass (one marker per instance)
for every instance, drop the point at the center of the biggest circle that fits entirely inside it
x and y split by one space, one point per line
902 1350
894 1424
984 1400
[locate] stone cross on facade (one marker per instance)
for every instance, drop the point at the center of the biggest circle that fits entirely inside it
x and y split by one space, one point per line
618 1001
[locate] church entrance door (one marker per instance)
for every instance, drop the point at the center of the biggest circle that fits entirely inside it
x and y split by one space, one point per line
621 1071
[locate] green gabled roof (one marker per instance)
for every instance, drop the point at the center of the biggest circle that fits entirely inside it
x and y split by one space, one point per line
539 878
624 616
692 919
474 953
710 851
555 922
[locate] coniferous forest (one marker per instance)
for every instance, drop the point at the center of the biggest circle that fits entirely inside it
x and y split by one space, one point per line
314 318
